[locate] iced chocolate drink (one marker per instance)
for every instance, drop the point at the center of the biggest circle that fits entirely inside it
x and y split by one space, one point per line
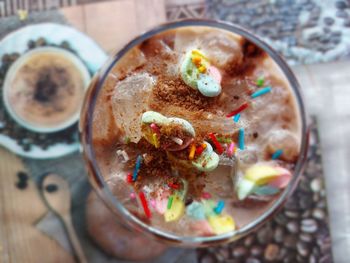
44 89
196 131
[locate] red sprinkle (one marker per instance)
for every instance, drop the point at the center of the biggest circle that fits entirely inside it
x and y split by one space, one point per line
218 146
129 178
199 150
155 128
174 186
206 195
238 110
145 205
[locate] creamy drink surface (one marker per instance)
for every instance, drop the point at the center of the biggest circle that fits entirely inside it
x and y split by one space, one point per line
150 117
47 89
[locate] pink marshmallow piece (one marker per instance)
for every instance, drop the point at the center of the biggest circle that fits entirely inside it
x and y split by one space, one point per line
215 73
161 202
282 180
132 195
202 227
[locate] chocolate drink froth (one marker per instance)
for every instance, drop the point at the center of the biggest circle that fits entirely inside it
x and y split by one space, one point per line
146 92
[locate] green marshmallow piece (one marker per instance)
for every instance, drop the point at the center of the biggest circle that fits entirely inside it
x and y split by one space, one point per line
196 211
189 71
244 188
154 117
208 86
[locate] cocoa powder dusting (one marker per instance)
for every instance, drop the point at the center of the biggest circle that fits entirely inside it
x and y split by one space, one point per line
174 92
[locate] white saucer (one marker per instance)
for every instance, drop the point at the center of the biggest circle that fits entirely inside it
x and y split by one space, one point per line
92 55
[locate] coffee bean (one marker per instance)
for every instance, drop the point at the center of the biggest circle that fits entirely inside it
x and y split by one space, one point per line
290 241
21 185
22 176
303 249
326 259
312 259
256 251
279 234
328 21
305 202
293 227
291 214
271 252
281 219
51 188
316 185
318 213
342 14
207 259
249 240
309 226
252 260
264 235
239 252
340 5
306 237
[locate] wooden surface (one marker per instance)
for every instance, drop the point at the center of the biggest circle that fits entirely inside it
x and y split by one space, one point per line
327 95
113 23
20 241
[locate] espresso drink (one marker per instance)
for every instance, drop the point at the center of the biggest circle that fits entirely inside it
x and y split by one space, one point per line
196 130
46 88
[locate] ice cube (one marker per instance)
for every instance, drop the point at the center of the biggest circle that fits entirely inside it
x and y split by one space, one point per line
129 101
284 140
218 46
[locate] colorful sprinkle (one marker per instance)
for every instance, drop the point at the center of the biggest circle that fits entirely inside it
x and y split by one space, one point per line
155 140
206 195
155 128
241 139
173 186
177 140
127 140
153 203
261 92
170 202
137 168
200 149
236 117
277 154
145 205
218 146
129 178
224 140
192 152
218 209
230 149
260 81
238 110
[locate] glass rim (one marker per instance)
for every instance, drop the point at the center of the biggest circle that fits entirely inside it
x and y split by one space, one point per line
98 180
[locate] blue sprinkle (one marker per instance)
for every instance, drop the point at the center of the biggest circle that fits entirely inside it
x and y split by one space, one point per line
261 92
241 139
277 154
236 117
218 209
137 168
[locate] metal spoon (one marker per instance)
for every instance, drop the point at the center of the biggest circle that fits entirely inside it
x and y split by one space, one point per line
56 192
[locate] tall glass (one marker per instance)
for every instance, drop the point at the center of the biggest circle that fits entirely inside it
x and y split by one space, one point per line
97 180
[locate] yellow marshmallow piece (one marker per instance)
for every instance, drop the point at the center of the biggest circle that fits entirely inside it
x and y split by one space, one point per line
221 224
176 210
261 174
